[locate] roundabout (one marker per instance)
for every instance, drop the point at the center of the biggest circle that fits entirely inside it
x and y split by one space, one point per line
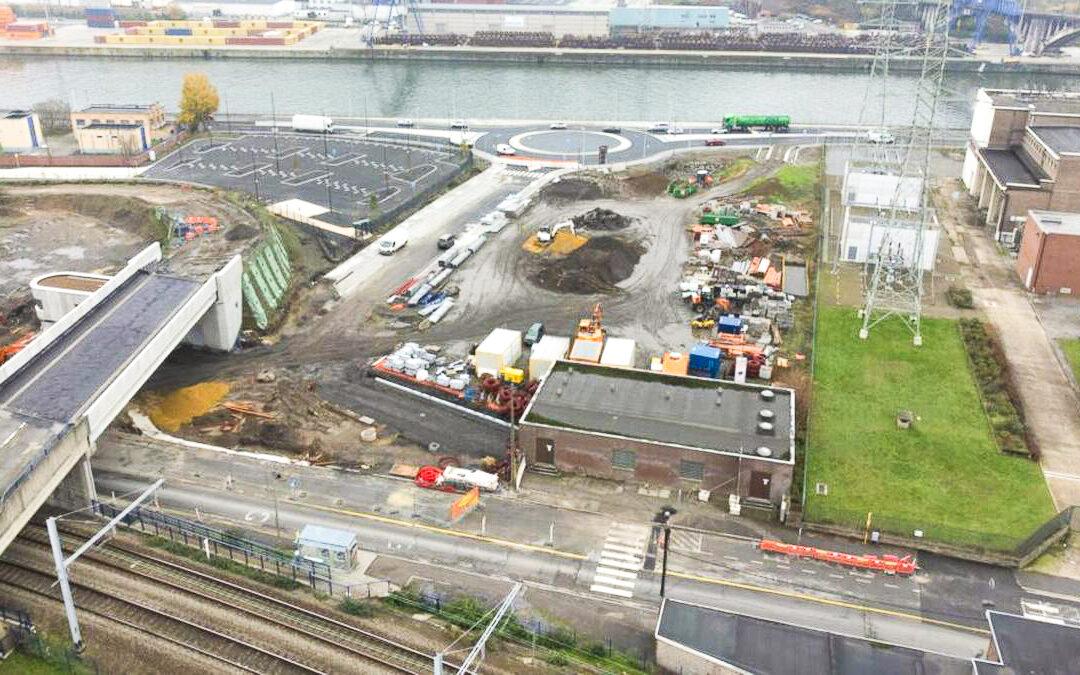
560 143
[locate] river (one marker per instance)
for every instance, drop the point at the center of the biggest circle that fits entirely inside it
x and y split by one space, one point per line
479 91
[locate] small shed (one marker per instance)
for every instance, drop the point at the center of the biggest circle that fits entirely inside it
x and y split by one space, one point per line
334 547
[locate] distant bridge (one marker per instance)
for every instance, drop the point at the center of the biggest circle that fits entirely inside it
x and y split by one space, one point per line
1037 32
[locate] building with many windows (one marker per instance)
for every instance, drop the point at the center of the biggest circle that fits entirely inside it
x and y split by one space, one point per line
1023 154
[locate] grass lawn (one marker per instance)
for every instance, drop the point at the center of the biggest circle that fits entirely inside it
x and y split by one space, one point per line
792 184
1071 347
24 664
945 476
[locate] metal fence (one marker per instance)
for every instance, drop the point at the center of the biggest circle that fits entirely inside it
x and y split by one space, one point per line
196 535
933 535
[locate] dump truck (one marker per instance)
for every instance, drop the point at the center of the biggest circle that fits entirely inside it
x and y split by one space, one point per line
316 123
765 122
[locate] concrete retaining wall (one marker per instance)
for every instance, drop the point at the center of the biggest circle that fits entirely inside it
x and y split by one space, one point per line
727 60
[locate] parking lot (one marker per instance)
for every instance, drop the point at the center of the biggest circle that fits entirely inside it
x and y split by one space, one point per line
339 173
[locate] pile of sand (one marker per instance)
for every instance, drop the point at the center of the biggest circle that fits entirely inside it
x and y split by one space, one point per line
171 411
564 242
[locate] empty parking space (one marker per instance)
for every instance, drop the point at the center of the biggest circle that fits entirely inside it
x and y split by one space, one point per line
345 174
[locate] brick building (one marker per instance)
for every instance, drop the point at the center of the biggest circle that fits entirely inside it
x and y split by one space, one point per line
687 432
1023 154
1049 252
119 129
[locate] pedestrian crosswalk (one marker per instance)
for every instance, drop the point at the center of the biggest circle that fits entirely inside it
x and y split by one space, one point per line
621 558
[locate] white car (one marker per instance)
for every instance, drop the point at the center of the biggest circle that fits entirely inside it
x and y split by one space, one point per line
391 244
676 130
406 123
459 125
558 126
504 149
719 130
881 136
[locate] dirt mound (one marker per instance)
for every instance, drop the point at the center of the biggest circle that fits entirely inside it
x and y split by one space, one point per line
572 190
647 185
604 220
594 268
241 232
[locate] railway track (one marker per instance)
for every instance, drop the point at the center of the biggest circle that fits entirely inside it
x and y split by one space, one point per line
217 646
319 627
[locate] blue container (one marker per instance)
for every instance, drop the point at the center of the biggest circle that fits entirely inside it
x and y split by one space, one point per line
704 360
729 324
178 31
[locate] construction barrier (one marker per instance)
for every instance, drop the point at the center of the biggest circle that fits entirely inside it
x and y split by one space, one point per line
889 564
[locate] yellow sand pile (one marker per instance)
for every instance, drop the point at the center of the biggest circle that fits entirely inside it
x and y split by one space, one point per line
178 407
565 242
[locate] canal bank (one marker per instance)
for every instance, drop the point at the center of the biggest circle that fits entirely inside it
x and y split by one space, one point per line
556 56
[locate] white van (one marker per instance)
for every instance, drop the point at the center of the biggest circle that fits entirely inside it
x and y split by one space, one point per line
391 243
504 149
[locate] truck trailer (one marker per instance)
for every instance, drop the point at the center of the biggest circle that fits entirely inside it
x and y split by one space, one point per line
766 122
316 123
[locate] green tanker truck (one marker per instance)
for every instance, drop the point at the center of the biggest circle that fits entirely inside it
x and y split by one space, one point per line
766 122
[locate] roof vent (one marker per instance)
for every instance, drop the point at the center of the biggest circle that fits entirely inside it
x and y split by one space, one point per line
558 392
768 394
765 428
766 415
763 451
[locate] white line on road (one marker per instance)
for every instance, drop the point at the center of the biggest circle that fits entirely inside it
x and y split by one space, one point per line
621 564
808 571
612 572
613 581
622 548
837 576
618 555
862 581
756 562
596 588
731 557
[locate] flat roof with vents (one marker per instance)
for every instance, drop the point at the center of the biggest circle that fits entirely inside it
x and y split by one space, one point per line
1056 222
690 412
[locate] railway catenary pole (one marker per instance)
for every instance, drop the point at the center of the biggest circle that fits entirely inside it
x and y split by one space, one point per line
63 564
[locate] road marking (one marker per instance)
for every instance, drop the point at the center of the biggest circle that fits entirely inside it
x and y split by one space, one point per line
615 581
862 581
612 572
621 564
731 557
679 575
632 550
837 576
611 591
618 555
808 571
757 562
891 586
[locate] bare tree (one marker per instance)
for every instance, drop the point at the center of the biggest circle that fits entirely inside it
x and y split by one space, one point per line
55 116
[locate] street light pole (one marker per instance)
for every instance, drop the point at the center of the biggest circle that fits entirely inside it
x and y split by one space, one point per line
277 153
664 518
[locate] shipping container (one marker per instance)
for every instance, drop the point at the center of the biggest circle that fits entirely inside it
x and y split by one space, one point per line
705 360
178 31
729 324
621 352
545 353
587 351
501 348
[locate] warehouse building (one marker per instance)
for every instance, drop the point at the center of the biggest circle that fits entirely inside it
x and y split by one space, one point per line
868 198
668 17
557 20
119 129
1023 154
20 131
693 433
697 640
1049 252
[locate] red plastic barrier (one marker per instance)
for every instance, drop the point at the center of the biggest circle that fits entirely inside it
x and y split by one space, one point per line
890 564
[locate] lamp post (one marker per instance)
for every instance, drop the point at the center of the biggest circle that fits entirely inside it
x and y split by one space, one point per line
664 518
